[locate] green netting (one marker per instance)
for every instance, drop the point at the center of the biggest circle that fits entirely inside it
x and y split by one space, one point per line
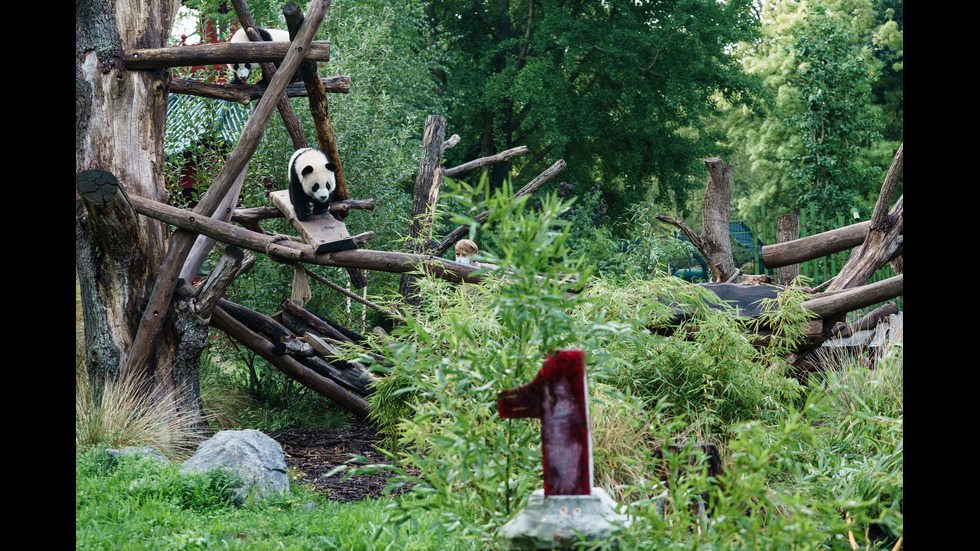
192 119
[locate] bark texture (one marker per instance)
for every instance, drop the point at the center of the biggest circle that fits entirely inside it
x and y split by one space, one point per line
119 124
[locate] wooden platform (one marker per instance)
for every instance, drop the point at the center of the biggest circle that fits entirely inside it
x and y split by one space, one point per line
323 231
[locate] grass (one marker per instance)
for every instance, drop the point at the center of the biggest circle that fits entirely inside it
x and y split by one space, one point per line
142 504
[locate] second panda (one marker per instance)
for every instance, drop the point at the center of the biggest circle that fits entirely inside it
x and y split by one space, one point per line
241 71
312 182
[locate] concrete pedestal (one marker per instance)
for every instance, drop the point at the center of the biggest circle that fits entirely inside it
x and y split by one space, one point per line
557 522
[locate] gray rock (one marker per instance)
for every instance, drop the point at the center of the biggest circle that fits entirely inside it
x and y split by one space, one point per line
558 522
251 454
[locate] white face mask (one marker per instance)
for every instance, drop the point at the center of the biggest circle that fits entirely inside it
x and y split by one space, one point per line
462 260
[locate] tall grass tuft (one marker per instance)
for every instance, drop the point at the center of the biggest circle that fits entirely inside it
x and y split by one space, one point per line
125 414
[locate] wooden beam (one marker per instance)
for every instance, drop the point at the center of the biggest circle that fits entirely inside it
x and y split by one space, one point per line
841 302
292 251
324 232
534 185
218 54
220 319
814 246
246 93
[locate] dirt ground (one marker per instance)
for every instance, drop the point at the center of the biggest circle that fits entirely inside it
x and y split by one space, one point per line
315 451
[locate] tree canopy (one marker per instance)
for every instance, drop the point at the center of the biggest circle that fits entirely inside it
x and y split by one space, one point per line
830 68
618 88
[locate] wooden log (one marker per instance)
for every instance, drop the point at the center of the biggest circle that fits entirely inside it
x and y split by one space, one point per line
814 246
483 161
354 378
534 185
255 214
427 182
452 141
351 295
884 241
246 93
841 302
869 321
294 347
203 244
289 365
324 232
159 301
319 107
714 242
141 59
218 281
316 322
293 252
326 349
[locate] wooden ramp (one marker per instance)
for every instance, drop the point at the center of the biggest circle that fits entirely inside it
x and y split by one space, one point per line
324 232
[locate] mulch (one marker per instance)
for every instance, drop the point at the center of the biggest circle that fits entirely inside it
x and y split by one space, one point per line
315 451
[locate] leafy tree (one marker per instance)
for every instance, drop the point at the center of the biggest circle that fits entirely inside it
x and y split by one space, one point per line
765 143
834 78
620 88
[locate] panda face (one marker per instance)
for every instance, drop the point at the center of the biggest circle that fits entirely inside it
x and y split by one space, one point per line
241 71
319 183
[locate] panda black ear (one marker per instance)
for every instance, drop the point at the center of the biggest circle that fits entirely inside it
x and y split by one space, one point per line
307 169
331 167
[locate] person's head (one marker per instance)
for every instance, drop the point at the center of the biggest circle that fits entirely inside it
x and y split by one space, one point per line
465 250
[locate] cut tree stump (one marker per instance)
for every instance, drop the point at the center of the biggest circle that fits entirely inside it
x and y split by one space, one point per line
323 231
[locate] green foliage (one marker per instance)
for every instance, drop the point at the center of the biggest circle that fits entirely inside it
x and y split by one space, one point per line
766 135
439 399
620 87
716 378
139 503
834 77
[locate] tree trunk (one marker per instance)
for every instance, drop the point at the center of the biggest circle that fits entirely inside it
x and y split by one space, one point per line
120 117
427 183
716 241
787 229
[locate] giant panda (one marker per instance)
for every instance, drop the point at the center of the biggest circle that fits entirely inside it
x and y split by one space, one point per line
312 181
241 71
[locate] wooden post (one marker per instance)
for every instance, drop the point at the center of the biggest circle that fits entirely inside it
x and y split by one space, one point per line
427 182
715 238
318 101
558 396
787 229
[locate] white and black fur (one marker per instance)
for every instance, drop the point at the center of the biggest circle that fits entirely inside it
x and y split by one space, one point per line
312 182
241 71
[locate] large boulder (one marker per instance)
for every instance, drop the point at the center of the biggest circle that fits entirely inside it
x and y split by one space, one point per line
251 454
